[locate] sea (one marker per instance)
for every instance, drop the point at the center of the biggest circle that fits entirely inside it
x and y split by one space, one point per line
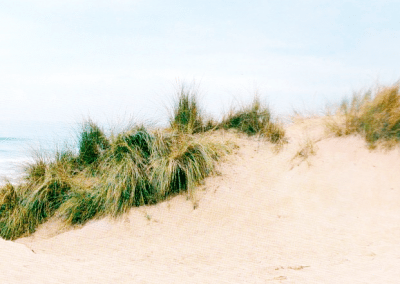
21 141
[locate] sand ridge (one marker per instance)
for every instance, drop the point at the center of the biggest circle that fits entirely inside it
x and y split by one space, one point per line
268 217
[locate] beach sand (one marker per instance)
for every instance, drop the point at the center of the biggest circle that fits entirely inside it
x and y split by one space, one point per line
267 217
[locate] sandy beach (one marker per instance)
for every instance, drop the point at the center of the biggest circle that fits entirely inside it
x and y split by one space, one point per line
293 216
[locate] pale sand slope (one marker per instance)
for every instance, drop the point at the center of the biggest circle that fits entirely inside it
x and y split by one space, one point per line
334 218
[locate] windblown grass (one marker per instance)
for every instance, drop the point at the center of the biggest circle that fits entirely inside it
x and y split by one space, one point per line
187 116
254 119
108 175
47 185
374 114
92 142
80 207
8 201
136 167
123 180
179 162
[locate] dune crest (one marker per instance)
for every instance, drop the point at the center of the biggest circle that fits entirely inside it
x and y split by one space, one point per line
321 210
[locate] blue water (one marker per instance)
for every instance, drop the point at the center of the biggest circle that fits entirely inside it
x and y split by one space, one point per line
19 141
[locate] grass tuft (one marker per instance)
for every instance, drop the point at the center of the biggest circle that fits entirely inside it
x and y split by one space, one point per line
186 116
254 119
92 142
80 207
8 199
123 177
179 162
375 115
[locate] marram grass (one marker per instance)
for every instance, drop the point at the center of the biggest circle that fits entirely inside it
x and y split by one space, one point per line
255 119
186 117
123 180
180 161
80 207
374 114
92 142
8 201
108 175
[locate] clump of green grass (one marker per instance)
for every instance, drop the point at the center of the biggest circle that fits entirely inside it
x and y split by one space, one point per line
141 167
120 182
375 115
92 142
80 207
47 185
136 168
254 119
179 162
124 181
186 115
106 176
8 200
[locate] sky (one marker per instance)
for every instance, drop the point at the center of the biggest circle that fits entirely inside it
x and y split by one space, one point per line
67 60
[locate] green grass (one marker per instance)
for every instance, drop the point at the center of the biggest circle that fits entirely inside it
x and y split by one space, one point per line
46 186
186 115
138 167
123 180
92 142
254 119
179 161
108 175
374 114
81 206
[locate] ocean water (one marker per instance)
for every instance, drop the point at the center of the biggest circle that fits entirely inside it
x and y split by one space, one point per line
20 140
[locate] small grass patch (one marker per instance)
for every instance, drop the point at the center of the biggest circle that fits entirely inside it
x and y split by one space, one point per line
186 114
179 161
374 114
92 142
255 119
306 150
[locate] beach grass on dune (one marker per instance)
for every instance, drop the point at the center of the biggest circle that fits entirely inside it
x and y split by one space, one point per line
108 175
181 161
81 206
138 168
254 119
123 180
92 143
46 186
375 114
187 115
8 202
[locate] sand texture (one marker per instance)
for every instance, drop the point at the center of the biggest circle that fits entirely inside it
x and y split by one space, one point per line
331 217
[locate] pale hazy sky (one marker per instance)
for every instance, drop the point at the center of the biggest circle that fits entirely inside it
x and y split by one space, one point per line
61 60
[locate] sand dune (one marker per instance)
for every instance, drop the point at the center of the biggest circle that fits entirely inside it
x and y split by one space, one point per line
333 217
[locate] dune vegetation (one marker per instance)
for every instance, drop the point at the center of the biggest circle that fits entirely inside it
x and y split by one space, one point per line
254 119
374 114
108 175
